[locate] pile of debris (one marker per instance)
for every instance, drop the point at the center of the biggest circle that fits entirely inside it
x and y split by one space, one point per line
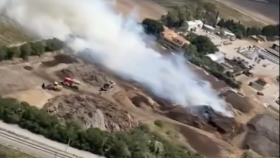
207 119
92 111
263 136
87 73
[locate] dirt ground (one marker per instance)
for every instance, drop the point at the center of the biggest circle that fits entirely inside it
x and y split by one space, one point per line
264 10
263 135
124 105
121 107
143 9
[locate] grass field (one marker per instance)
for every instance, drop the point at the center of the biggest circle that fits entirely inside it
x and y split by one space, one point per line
10 34
225 11
6 152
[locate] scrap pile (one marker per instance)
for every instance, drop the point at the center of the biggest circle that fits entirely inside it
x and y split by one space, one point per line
91 111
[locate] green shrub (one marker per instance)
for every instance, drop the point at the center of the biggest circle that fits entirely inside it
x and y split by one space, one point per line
25 50
159 123
30 48
13 52
136 143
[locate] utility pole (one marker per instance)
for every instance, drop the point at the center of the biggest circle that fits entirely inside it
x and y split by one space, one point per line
67 145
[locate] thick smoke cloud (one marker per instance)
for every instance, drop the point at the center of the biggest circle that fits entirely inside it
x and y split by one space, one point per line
114 41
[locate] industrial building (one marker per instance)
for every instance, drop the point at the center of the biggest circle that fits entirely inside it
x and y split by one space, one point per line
225 33
260 84
208 28
256 53
172 40
258 38
191 25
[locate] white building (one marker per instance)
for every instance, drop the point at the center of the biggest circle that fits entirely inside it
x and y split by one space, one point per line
218 57
208 28
191 25
228 34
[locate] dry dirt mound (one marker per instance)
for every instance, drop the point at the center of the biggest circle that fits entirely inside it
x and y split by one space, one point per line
92 111
88 73
243 104
263 135
141 100
213 122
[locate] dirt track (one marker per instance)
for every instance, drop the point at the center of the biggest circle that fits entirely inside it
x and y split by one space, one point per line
30 75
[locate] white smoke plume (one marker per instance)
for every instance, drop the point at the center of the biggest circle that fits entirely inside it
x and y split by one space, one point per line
116 42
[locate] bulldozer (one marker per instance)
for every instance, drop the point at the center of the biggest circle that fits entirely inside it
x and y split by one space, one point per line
52 86
71 83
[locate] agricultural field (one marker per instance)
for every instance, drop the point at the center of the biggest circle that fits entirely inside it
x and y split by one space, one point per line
9 34
225 11
6 152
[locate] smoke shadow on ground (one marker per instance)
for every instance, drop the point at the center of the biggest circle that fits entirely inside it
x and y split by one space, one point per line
59 59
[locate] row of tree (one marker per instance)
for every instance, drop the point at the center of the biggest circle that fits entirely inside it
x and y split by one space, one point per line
193 11
137 143
29 49
241 31
207 12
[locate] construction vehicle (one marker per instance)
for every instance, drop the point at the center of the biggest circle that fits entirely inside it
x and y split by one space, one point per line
70 82
248 73
52 86
260 93
107 86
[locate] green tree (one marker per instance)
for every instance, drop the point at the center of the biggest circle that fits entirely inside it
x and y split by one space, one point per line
191 36
184 14
152 27
270 30
3 52
204 45
171 19
229 74
13 52
190 50
37 47
25 50
53 45
206 61
200 12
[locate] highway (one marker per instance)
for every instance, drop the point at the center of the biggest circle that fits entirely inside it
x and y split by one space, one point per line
37 146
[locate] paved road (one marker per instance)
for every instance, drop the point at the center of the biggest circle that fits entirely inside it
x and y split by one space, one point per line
36 145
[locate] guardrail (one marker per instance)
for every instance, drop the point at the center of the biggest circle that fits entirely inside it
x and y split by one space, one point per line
36 145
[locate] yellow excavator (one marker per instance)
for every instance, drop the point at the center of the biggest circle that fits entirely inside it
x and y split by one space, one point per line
55 86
